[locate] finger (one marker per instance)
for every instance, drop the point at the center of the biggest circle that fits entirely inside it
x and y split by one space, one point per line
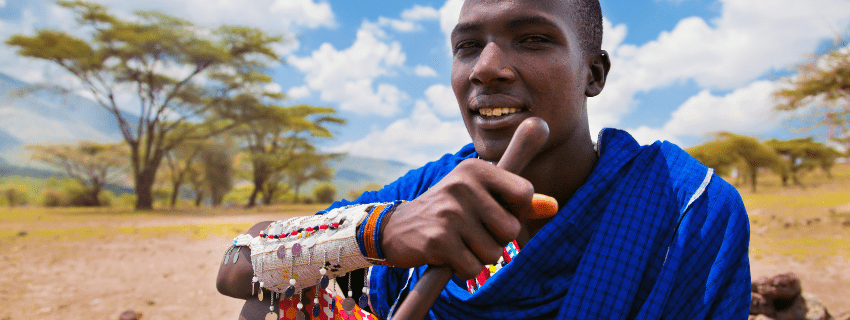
499 223
482 244
506 186
465 264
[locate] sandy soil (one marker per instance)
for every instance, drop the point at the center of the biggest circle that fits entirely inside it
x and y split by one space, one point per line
174 277
829 281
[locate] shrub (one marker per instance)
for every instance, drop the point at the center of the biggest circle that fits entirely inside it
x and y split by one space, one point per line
11 196
53 197
355 193
324 193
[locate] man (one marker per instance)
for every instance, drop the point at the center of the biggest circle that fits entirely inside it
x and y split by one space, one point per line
641 233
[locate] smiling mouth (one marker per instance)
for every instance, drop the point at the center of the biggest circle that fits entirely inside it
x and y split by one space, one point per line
497 112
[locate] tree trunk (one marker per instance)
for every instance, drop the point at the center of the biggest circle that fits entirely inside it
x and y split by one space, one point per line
252 200
93 196
753 173
176 188
144 188
259 181
268 195
199 196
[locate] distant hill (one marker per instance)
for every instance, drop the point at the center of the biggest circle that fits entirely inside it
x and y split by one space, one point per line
44 117
355 172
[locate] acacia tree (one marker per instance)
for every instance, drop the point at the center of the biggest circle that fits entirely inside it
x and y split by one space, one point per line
307 166
822 86
274 136
92 164
803 155
745 153
160 60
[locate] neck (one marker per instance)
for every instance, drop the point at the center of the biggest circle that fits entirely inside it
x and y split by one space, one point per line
558 173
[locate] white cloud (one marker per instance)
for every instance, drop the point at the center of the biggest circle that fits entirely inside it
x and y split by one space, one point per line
417 139
417 13
272 87
613 35
747 110
443 100
2 3
399 25
449 15
424 71
278 16
748 39
298 92
409 19
347 76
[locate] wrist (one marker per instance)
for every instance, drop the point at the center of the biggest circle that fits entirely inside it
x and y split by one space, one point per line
370 230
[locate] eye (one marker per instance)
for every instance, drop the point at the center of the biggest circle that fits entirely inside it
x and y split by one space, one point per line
535 41
465 46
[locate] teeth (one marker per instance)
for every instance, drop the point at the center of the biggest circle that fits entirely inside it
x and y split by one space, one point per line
496 112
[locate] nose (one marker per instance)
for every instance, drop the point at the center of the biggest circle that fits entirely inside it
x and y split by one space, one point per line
492 67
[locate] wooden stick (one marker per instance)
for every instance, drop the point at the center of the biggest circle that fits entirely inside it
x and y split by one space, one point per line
529 137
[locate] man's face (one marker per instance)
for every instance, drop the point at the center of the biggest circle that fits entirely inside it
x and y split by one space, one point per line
514 60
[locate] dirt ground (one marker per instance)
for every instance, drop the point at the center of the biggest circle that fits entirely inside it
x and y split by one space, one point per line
173 277
170 277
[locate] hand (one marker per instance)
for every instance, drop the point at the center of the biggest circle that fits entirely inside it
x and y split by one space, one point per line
463 221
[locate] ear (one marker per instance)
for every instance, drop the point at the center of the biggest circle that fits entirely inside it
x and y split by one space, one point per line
599 66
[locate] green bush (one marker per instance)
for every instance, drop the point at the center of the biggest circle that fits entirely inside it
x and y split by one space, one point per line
11 197
53 197
126 200
69 193
355 193
324 193
238 196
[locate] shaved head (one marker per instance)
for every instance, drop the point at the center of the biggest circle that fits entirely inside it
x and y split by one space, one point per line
587 15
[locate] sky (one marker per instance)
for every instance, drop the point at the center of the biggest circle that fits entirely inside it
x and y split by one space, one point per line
681 69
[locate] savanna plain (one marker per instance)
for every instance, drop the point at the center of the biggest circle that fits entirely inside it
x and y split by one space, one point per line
60 263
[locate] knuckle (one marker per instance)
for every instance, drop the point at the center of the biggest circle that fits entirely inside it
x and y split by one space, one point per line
470 271
493 255
526 189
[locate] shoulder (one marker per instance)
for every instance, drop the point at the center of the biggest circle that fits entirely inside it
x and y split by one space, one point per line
683 178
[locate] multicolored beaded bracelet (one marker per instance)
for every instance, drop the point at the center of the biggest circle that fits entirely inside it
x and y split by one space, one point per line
369 232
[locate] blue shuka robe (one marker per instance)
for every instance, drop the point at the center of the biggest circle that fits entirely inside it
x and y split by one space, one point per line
652 234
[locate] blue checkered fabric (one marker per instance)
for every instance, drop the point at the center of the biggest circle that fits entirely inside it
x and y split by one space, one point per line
652 234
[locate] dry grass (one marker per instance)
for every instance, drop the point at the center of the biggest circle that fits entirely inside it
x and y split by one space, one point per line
77 224
808 223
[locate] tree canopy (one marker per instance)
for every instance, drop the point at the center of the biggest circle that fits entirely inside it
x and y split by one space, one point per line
822 88
166 64
802 155
92 164
744 153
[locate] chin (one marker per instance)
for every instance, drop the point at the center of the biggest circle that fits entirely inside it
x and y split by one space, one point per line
491 150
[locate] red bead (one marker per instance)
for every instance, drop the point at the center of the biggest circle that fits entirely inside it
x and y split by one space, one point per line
323 227
335 224
294 232
309 229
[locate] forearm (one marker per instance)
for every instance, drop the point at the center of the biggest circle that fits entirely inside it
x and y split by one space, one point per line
294 254
234 278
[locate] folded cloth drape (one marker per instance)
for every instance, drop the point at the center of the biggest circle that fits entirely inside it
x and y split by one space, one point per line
652 234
